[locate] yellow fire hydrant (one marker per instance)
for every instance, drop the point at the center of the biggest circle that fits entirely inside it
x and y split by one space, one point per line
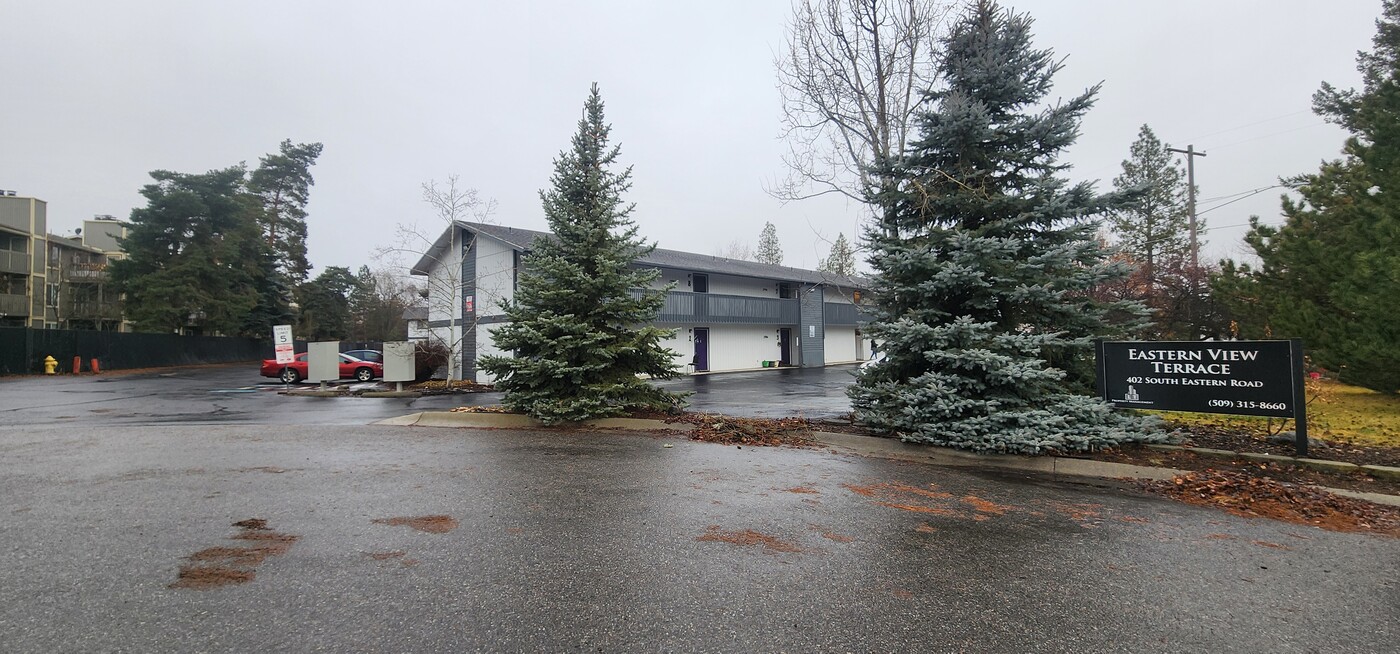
50 365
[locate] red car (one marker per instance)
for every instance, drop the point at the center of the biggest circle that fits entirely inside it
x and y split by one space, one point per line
350 368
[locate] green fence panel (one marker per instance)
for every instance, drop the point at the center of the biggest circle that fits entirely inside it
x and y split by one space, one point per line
22 350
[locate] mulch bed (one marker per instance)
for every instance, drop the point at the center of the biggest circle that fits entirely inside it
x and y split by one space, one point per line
1246 495
756 432
449 387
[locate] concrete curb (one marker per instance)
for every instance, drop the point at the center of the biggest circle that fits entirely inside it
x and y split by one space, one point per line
325 393
1326 465
517 421
885 448
391 394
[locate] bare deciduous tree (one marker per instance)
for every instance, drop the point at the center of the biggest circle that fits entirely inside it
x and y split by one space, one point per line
851 79
442 285
736 249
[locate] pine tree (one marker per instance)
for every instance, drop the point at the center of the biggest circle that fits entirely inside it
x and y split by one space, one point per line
580 324
841 260
325 305
1331 273
283 183
1152 230
984 259
192 254
769 250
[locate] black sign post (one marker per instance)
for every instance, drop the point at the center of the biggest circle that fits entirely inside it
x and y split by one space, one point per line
1252 378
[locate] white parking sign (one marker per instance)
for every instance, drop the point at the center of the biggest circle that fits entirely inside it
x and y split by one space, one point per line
282 343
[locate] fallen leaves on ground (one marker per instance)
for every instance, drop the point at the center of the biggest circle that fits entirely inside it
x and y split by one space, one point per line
213 567
759 432
433 524
770 544
1246 495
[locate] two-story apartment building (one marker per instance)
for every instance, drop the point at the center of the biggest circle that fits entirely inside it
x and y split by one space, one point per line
728 314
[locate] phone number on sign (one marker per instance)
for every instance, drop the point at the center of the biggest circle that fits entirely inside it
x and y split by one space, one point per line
1240 404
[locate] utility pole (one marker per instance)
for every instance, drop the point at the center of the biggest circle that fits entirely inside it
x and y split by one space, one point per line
1191 155
1194 274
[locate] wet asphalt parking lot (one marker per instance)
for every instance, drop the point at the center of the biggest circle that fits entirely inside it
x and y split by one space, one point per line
568 541
236 394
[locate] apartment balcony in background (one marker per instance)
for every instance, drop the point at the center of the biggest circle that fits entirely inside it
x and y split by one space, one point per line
14 262
85 272
14 305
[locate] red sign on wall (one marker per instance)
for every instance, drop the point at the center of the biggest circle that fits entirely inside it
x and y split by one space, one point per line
469 304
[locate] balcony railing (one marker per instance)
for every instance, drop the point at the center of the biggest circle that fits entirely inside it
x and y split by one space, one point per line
14 262
14 305
841 313
711 308
86 272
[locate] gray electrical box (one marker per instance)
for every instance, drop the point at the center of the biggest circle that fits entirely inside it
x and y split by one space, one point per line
323 361
398 362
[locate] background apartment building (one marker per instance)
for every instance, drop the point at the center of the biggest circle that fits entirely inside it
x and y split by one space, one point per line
50 281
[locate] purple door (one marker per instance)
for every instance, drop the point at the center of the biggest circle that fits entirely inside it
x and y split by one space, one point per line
702 349
785 347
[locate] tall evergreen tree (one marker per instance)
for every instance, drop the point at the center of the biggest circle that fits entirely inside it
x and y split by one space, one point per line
769 249
1331 273
842 259
1153 232
193 254
283 182
579 334
325 305
984 260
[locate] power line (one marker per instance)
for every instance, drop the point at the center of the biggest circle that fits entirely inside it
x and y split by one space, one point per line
1257 122
1251 194
1265 136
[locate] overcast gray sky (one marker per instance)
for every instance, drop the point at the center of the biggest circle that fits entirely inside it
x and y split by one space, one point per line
97 94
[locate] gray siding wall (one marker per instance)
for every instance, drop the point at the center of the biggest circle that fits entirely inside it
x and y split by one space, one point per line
14 213
102 234
468 319
812 328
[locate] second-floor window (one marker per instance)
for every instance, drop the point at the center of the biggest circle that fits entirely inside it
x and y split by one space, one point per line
700 283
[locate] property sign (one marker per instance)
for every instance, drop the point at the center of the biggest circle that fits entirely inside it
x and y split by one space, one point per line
469 304
282 344
1253 378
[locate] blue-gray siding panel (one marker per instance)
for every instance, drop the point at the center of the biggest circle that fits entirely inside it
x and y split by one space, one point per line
468 290
812 328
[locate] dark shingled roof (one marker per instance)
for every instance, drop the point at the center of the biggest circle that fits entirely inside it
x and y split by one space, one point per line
524 239
415 313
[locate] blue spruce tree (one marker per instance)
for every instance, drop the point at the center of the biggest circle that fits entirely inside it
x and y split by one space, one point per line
580 324
984 260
